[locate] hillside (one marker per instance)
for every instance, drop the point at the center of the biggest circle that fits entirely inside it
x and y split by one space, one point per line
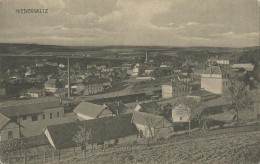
215 147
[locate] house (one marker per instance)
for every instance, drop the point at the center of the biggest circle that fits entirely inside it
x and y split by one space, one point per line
150 125
149 71
166 65
149 107
215 79
185 78
15 79
33 93
33 112
29 72
249 67
90 87
186 110
8 129
40 64
104 131
136 70
87 111
175 88
224 60
61 92
22 117
115 108
51 85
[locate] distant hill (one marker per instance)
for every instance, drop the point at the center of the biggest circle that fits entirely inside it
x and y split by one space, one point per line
15 49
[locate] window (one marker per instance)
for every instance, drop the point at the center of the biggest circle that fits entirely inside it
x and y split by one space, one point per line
10 134
34 118
100 143
50 115
223 83
43 116
58 114
180 118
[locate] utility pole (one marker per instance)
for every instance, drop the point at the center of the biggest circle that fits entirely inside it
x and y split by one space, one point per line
19 124
68 59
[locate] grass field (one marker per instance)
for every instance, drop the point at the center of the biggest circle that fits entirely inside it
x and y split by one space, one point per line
234 145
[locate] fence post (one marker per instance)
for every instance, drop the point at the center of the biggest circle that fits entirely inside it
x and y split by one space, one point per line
8 158
53 156
59 154
24 156
44 157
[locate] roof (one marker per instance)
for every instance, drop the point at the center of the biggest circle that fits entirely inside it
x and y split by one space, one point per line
176 83
51 81
150 107
189 105
246 66
27 109
89 109
114 107
37 127
3 120
213 70
102 129
146 119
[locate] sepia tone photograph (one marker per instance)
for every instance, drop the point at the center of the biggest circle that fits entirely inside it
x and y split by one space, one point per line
129 81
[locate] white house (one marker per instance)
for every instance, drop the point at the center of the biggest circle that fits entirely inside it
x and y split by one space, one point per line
215 80
150 125
136 69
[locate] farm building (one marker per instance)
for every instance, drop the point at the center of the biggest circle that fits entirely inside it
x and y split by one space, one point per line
175 88
150 125
104 131
149 107
186 110
115 108
88 111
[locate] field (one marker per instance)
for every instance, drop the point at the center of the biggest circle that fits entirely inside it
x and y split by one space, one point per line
235 145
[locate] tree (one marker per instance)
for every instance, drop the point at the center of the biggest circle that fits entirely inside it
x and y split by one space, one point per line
10 145
82 137
151 132
237 97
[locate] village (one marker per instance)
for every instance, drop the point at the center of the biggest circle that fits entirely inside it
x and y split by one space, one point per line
68 104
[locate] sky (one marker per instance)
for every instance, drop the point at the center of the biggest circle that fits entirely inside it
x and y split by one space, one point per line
218 23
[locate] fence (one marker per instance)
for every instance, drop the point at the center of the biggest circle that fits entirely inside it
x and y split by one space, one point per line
47 155
55 156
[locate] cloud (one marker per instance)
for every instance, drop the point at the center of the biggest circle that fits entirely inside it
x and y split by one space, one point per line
132 22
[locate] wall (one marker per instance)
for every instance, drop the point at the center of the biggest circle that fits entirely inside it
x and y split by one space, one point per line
11 126
145 130
180 111
166 91
46 132
212 84
84 117
54 113
181 90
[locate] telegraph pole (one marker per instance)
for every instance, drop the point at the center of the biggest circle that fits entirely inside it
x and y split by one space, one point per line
68 59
